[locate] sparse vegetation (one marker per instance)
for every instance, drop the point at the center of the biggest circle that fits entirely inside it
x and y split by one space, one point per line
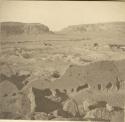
99 86
26 55
95 44
14 94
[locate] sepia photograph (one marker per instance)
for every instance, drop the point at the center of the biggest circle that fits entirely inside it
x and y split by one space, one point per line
62 61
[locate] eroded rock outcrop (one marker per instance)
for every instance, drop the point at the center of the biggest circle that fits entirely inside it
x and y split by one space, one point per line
101 75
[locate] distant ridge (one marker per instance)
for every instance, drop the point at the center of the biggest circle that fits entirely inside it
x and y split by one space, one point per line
97 27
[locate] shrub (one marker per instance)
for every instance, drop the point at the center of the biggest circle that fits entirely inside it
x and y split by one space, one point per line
26 55
56 74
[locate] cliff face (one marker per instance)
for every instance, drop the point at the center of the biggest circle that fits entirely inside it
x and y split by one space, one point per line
14 28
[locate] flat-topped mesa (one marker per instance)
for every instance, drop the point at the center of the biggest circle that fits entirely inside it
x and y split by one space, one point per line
14 28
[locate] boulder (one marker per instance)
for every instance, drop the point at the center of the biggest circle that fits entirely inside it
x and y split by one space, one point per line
87 103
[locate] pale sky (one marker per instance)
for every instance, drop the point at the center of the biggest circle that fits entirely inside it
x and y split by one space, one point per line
59 14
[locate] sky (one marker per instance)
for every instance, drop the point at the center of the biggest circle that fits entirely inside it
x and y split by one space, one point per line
60 14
